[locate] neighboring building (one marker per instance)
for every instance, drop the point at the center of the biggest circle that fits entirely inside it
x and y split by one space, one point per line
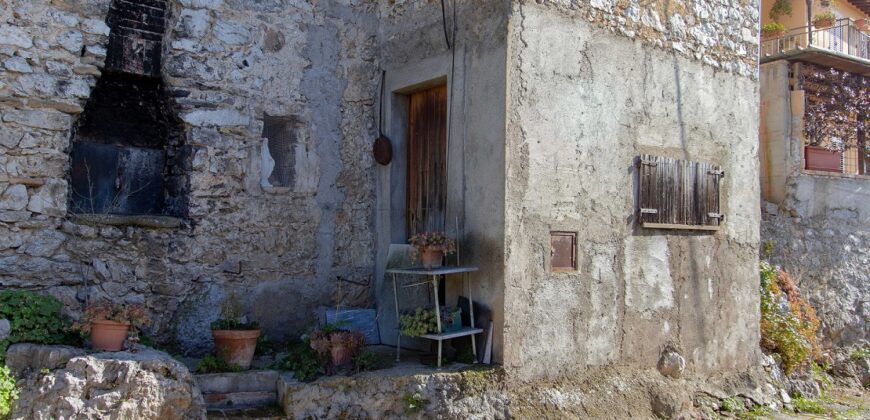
585 154
815 154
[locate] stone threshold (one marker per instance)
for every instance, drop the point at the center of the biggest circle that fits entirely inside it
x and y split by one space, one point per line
146 221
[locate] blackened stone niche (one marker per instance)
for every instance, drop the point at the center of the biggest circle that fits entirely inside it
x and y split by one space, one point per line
128 154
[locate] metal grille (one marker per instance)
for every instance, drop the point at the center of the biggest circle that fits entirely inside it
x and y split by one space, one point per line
282 136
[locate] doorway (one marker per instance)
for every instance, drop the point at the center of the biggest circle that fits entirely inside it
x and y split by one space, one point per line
426 191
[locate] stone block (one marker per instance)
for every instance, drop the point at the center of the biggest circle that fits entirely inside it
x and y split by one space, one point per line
216 117
26 358
18 65
50 199
251 381
14 198
15 36
49 120
362 320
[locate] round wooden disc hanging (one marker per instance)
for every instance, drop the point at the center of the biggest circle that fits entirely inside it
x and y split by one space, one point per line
382 149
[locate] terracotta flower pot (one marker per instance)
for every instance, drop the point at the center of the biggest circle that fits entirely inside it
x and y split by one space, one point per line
822 159
236 346
108 335
341 355
824 23
861 24
432 257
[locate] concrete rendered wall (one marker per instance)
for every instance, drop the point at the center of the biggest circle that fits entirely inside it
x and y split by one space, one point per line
584 100
414 54
227 63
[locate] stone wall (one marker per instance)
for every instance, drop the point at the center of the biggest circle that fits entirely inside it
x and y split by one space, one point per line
584 101
227 64
722 34
815 224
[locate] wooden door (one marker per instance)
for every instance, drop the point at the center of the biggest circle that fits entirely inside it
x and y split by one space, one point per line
427 160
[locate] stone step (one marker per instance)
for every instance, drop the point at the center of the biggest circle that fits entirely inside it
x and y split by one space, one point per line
257 388
235 400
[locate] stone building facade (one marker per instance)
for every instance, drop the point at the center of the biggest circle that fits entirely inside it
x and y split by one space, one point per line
549 104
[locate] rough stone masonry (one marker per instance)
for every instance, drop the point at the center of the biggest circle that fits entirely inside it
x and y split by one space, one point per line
227 64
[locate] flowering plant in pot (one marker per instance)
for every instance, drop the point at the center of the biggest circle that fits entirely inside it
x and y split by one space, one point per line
431 247
340 345
235 338
824 20
772 30
110 323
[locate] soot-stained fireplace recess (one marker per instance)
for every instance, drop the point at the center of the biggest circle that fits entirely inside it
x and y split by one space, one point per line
128 154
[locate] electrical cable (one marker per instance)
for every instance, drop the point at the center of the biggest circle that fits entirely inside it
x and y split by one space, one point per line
444 23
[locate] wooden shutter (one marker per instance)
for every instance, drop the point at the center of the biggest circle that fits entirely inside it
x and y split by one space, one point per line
679 194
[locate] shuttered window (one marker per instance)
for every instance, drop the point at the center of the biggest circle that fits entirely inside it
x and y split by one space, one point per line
679 194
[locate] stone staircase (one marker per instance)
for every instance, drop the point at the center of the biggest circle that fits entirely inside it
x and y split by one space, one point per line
229 392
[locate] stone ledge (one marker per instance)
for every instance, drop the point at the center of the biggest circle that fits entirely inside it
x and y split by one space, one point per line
146 221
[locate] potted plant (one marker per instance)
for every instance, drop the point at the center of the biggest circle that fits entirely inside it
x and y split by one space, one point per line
422 321
779 9
431 247
772 30
824 20
340 345
110 323
861 24
235 338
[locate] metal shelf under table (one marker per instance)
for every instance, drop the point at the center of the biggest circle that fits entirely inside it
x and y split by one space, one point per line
435 274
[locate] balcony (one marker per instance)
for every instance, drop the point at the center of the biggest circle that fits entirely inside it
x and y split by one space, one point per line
844 46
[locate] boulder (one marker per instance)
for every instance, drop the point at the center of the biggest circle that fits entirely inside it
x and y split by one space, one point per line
148 384
671 364
25 359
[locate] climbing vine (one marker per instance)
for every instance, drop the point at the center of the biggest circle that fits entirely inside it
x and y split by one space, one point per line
837 104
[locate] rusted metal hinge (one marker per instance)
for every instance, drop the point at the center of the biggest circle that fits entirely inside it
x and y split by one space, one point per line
716 172
719 216
649 162
648 211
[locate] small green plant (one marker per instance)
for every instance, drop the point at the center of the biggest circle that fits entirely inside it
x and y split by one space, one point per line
732 405
413 403
821 375
767 249
367 360
8 392
304 362
33 318
860 353
756 413
809 406
233 317
779 9
212 364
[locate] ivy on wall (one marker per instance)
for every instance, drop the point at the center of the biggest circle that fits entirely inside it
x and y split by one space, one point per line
837 107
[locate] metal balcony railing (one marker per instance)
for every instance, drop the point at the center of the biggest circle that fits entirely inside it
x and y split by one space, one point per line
844 37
